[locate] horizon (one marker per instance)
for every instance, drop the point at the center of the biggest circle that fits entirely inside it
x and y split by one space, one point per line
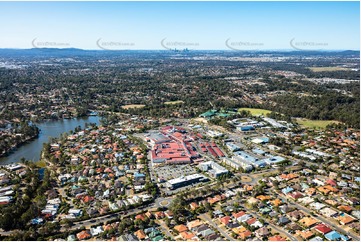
183 50
240 26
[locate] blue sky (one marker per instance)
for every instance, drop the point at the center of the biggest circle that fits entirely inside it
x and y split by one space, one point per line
196 25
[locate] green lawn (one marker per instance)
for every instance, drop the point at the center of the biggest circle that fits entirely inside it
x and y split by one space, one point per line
133 106
173 102
255 111
317 124
41 163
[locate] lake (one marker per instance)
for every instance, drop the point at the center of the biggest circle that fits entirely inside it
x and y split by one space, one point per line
54 128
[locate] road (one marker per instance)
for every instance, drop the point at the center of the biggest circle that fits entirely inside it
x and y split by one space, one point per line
275 227
105 218
205 217
101 219
7 233
324 220
165 229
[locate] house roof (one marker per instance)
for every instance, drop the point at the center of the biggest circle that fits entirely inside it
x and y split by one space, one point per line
311 191
201 228
333 235
323 228
345 208
345 219
194 205
296 195
140 234
293 226
181 228
159 214
308 221
239 214
245 234
276 238
251 221
296 214
194 224
140 217
283 220
306 234
263 197
225 220
287 190
187 235
331 202
239 230
331 182
277 202
288 176
83 235
262 231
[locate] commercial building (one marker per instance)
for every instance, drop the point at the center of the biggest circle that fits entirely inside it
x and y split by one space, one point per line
238 163
233 147
170 152
158 138
214 170
172 146
185 181
245 156
274 123
260 140
244 128
245 164
316 152
247 160
235 165
304 155
273 160
214 133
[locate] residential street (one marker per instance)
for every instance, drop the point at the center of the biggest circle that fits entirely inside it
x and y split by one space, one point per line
206 218
324 220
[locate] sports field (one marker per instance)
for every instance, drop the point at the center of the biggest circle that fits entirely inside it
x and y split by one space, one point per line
331 68
173 102
133 106
317 124
255 111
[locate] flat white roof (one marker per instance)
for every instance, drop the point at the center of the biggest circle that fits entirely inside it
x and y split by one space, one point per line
186 178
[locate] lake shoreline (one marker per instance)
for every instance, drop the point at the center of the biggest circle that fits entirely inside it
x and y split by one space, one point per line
13 148
31 148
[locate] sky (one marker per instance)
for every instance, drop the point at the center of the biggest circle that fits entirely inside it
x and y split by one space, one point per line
192 25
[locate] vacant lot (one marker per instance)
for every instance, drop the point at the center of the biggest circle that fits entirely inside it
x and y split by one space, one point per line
317 124
331 68
133 106
255 111
173 102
